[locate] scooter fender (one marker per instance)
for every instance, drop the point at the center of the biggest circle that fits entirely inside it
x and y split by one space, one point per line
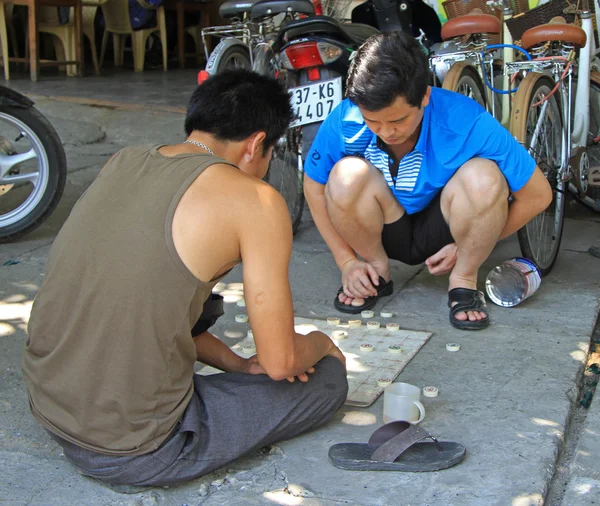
14 98
215 57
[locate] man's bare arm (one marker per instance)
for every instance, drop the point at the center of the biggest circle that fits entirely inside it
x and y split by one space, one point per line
266 243
211 351
529 201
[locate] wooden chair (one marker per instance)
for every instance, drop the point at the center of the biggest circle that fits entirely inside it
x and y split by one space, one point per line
32 56
204 8
116 16
4 42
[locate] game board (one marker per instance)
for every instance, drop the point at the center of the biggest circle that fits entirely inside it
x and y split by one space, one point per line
365 368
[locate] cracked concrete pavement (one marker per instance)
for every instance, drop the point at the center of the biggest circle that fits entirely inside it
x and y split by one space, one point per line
508 395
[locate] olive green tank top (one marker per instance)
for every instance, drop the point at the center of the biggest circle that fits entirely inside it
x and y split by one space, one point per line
109 362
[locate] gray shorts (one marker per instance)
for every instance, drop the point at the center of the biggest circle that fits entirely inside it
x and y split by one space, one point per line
230 415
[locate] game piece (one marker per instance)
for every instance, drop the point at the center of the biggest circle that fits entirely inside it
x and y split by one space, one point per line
367 313
392 327
241 302
241 318
364 368
338 335
250 334
430 392
333 321
249 348
453 347
384 382
386 314
373 325
366 347
353 324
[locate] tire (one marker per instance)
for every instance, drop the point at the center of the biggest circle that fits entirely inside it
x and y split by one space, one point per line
49 164
285 174
464 79
234 57
540 238
591 198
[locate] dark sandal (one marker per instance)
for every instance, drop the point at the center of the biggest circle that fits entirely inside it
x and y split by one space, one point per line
384 289
397 446
467 300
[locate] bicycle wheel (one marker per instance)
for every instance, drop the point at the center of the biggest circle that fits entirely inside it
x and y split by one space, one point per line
591 196
540 129
464 79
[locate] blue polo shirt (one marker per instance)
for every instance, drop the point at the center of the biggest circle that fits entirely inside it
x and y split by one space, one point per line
455 129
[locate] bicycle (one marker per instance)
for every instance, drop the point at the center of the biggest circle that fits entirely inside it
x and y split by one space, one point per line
252 25
561 137
468 66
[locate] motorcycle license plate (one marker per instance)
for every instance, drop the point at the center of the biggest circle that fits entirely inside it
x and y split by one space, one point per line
314 102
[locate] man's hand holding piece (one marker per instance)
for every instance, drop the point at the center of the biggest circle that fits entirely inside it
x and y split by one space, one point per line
359 279
443 261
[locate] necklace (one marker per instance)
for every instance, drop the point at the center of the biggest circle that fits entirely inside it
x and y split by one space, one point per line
200 145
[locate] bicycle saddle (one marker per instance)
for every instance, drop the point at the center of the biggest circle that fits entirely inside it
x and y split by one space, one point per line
354 33
235 8
469 24
556 30
271 7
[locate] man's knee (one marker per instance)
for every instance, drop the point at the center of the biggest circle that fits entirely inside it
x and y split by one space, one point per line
334 383
346 181
482 180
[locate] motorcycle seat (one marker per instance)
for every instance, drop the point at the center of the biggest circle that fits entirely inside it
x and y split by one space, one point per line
264 8
352 33
235 8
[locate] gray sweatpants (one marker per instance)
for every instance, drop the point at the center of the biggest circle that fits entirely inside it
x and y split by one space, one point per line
230 415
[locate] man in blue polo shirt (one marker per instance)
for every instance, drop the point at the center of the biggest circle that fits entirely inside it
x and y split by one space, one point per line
418 174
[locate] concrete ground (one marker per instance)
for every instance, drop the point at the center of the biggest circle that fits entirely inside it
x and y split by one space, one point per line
510 394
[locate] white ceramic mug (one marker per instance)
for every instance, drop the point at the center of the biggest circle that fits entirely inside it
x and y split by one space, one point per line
401 402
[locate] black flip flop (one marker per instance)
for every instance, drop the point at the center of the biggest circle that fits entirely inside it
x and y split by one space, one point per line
397 446
467 300
384 289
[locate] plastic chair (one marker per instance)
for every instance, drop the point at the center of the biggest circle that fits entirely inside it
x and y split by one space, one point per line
65 34
195 32
116 17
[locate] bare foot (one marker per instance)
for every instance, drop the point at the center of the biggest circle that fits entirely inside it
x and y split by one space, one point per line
468 315
382 269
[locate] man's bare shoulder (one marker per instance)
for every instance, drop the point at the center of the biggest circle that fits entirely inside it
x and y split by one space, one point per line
242 191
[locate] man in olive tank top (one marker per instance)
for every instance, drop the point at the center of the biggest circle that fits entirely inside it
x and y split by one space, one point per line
124 310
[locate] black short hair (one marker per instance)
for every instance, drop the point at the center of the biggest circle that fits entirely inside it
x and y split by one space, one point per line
388 66
234 104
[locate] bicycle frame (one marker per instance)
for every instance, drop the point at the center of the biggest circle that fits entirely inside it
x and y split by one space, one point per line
484 66
575 126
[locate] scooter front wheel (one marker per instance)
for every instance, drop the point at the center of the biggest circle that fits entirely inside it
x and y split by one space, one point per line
286 174
33 170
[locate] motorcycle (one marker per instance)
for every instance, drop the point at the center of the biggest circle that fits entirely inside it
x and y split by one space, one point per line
33 166
312 57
